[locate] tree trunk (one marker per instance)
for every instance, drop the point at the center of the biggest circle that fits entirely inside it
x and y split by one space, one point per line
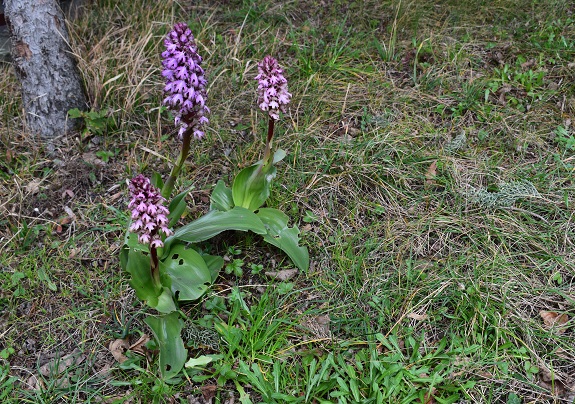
51 83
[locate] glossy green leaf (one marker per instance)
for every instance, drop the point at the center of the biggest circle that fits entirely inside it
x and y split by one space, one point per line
188 272
274 220
198 362
131 241
177 208
285 238
215 222
166 302
167 331
157 181
279 155
221 198
124 253
251 187
138 266
215 264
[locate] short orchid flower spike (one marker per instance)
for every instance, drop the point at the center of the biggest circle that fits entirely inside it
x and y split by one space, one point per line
185 81
149 215
273 93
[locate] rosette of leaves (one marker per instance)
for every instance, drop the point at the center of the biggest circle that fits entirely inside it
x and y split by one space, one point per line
185 274
241 208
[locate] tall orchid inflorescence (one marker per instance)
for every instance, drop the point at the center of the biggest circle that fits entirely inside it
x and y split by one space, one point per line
185 81
149 215
186 92
273 96
272 87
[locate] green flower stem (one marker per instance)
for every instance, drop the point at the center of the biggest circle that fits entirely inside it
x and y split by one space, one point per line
267 152
169 185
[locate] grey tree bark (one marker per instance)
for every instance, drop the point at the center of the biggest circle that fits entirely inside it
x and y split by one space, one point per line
45 66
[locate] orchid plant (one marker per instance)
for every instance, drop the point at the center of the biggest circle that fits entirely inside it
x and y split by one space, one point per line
167 268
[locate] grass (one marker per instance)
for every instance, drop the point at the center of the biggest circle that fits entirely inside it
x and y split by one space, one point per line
417 292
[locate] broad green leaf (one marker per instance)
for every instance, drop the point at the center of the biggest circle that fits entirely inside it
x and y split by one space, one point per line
215 222
283 237
221 198
167 331
251 187
131 240
124 253
138 266
199 361
166 302
274 220
279 155
215 264
188 272
176 208
157 181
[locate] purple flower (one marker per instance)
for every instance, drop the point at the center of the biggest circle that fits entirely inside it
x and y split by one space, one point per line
185 82
273 93
149 215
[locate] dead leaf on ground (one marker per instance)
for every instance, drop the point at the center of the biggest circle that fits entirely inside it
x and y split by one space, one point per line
118 347
139 346
70 212
91 158
430 174
117 195
528 64
545 373
562 353
9 155
61 222
33 383
428 397
556 387
33 187
283 275
418 317
552 319
318 325
209 391
59 365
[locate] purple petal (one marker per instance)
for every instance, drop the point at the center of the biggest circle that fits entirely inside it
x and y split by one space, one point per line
156 243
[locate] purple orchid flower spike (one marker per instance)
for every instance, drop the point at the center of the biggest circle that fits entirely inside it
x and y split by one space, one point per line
185 82
149 215
273 96
273 93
